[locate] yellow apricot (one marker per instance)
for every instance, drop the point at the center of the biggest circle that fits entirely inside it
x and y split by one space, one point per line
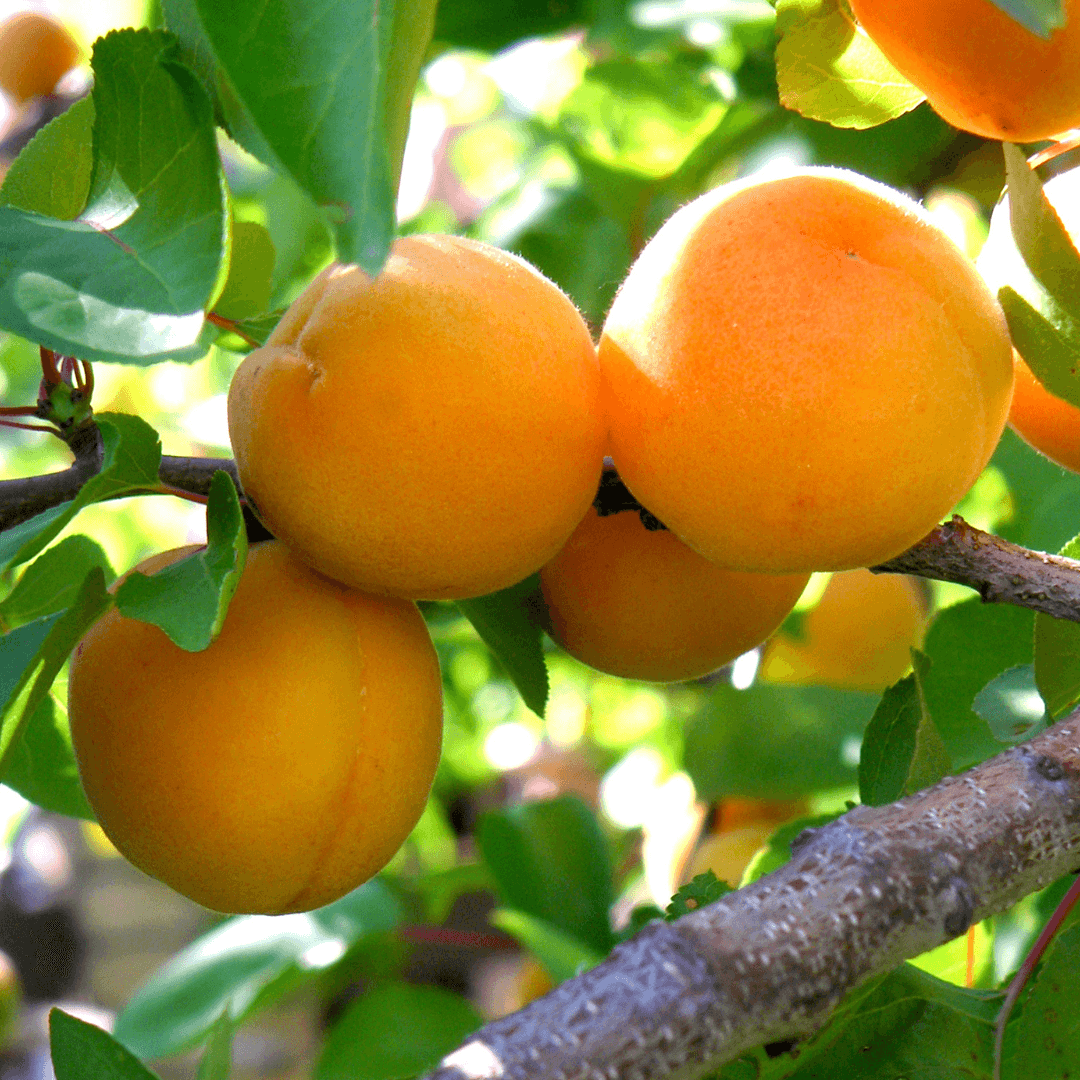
859 636
279 768
728 854
640 604
980 69
36 51
803 373
433 433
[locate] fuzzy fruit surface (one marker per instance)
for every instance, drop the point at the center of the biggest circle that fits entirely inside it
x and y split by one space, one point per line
1042 419
803 373
434 433
279 768
36 51
642 605
859 636
980 69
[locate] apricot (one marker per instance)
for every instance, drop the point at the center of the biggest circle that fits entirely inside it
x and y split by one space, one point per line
980 69
859 636
433 433
36 51
1043 420
640 604
803 373
281 767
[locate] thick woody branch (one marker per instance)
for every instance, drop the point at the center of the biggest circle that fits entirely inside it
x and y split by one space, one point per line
1002 573
771 961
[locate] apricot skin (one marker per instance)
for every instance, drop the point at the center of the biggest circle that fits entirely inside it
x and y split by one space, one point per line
858 637
281 767
435 433
979 69
36 51
803 373
642 605
1043 420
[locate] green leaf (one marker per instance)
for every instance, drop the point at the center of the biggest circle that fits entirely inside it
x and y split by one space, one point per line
217 1059
258 328
52 580
132 457
505 622
190 598
549 860
775 742
251 266
1011 705
969 645
81 1051
828 69
562 955
13 539
42 765
702 890
1039 233
17 650
478 24
1039 16
394 1031
326 93
129 278
245 963
1042 1038
902 750
1051 354
1057 654
51 175
91 602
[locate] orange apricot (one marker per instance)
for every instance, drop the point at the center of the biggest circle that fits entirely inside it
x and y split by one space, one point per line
859 636
1048 423
979 68
279 768
640 604
803 373
433 433
36 51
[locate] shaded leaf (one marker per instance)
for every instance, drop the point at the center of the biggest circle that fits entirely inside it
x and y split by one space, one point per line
477 24
504 620
562 955
81 1051
190 598
549 860
216 1061
1051 354
828 69
902 750
1039 16
129 278
394 1031
251 266
51 175
1011 705
702 890
51 582
1057 654
245 963
132 457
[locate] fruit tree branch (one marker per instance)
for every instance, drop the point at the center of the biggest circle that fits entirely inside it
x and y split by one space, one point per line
999 571
771 961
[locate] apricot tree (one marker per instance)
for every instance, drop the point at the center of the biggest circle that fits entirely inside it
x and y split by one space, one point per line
434 405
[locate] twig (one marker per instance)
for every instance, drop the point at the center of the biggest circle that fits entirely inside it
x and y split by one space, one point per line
1001 572
771 961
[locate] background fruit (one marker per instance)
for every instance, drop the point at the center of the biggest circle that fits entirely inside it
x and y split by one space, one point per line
279 768
787 354
36 51
435 433
979 68
641 604
1047 422
859 636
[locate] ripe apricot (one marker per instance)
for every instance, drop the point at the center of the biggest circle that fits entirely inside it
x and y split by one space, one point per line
859 636
277 769
1048 423
36 51
803 373
640 604
980 69
433 433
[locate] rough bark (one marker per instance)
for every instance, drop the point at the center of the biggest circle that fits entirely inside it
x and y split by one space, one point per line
771 961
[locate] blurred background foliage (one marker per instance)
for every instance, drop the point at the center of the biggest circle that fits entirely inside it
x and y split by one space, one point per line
567 131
